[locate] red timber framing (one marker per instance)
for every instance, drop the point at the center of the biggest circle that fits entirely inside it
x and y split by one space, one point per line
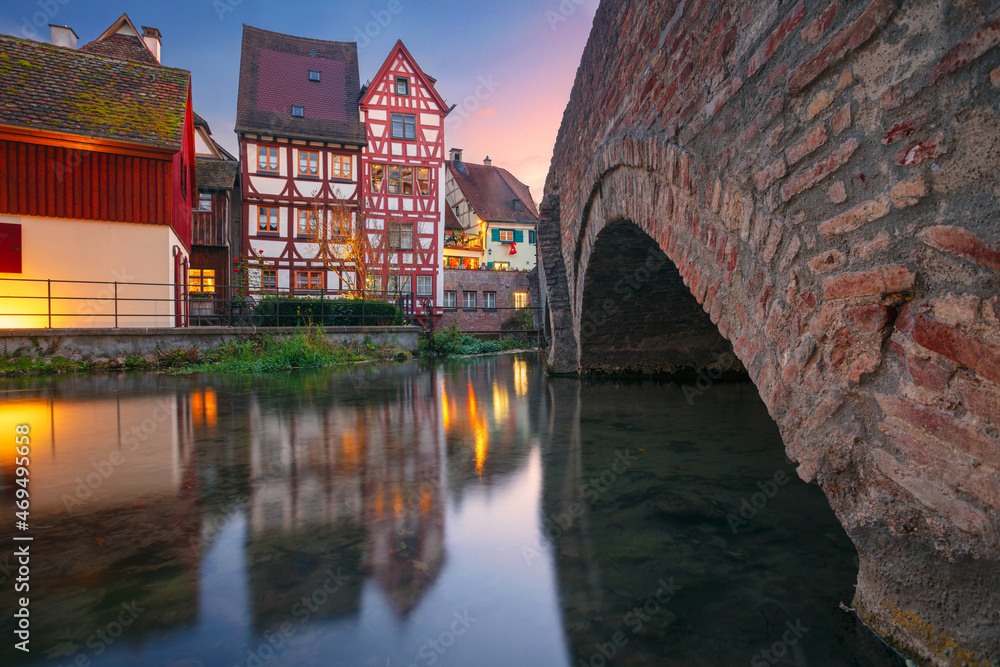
404 121
286 251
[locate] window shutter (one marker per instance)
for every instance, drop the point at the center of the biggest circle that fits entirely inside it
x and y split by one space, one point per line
495 234
489 264
518 236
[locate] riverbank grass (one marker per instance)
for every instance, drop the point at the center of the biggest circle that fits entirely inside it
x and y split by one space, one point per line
451 342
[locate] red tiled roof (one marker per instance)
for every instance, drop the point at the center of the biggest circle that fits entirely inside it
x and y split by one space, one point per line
65 90
274 76
492 192
450 219
124 47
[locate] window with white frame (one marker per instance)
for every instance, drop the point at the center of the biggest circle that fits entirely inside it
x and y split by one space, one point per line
506 236
490 300
425 286
469 300
204 201
520 299
451 299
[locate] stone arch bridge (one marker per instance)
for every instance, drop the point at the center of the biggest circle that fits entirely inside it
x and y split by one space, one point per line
809 191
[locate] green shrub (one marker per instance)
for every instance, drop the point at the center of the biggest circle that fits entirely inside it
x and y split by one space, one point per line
309 311
451 342
520 320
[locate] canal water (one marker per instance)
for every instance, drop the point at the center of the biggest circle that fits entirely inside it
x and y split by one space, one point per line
465 513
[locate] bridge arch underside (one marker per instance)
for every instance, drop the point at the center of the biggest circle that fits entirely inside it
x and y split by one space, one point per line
638 317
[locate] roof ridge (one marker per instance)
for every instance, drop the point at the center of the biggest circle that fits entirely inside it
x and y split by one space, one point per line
31 43
298 37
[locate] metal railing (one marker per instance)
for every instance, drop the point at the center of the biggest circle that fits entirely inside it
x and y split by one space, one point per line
47 303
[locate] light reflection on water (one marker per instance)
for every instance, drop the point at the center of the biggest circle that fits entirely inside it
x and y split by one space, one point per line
406 515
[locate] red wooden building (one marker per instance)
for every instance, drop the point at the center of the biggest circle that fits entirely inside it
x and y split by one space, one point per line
97 178
301 138
403 179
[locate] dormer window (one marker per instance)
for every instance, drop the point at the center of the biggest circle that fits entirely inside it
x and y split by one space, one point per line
314 75
298 111
402 85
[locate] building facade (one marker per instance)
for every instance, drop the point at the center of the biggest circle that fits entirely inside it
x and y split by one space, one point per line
301 140
403 181
97 181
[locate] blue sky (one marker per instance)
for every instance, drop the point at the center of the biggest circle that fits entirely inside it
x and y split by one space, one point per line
528 49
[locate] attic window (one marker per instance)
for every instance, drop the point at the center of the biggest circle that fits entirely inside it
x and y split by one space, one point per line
402 85
314 75
298 111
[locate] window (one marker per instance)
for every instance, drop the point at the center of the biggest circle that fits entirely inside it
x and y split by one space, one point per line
424 180
204 201
470 262
506 236
269 279
399 284
490 300
307 224
401 235
404 126
451 299
201 280
340 167
308 281
520 299
309 163
501 266
314 75
468 300
425 286
298 111
402 85
267 220
373 282
531 236
378 172
267 159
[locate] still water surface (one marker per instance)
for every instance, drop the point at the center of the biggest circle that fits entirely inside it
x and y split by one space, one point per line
467 513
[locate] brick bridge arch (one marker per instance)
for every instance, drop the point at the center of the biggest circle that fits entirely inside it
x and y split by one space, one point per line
823 181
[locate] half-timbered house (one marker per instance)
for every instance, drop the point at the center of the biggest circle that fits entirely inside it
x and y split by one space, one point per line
97 181
300 141
403 179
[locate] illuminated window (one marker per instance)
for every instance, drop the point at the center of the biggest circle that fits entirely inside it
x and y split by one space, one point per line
314 75
402 85
298 111
308 281
399 180
468 299
378 172
308 163
520 299
425 286
490 300
267 159
269 279
401 235
451 299
267 220
501 266
424 180
506 236
470 262
306 226
201 280
453 262
406 182
340 167
204 201
404 126
373 282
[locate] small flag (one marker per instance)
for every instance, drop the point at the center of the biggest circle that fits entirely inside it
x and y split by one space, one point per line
513 249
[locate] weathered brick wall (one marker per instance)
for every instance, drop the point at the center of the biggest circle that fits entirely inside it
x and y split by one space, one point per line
824 178
504 283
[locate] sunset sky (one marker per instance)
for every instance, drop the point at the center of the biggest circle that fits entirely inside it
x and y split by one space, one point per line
527 49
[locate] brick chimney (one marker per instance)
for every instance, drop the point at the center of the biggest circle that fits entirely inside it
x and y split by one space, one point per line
456 154
488 162
63 35
153 38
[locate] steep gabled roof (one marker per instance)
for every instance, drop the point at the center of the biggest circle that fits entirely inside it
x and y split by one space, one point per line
400 50
492 192
65 90
274 76
213 174
122 40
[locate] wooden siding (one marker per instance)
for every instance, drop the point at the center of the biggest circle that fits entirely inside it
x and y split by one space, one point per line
61 182
211 228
